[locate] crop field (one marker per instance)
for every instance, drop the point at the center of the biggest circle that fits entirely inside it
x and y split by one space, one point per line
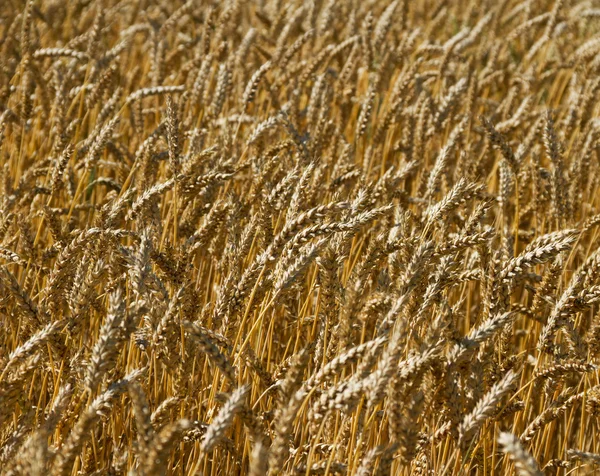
299 237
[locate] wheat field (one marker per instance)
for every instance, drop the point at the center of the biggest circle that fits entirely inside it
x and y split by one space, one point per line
287 237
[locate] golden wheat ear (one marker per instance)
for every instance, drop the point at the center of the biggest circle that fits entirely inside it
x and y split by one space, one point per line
299 237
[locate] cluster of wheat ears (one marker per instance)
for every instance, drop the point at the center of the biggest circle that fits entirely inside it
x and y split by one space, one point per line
300 237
